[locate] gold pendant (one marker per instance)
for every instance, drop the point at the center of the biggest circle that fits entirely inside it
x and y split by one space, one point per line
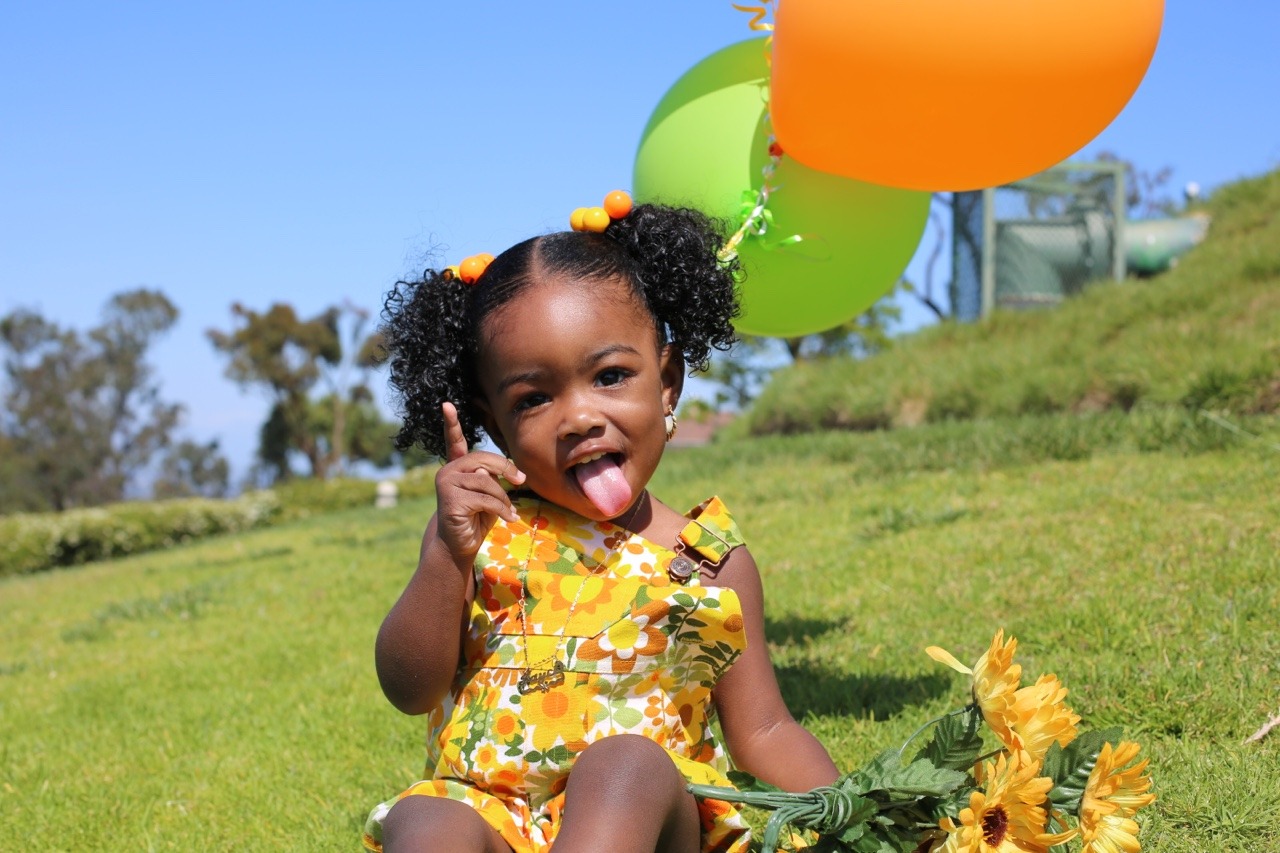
541 681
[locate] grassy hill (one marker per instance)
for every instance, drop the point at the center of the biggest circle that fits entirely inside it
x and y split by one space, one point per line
1205 335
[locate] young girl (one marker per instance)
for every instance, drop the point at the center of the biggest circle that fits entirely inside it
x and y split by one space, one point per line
572 638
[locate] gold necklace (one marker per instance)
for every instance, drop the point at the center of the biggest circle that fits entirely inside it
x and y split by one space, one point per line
544 679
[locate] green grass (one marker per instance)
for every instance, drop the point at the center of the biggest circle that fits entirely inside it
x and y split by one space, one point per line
1205 335
221 695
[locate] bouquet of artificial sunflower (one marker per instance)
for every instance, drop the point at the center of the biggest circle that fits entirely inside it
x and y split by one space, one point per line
1047 784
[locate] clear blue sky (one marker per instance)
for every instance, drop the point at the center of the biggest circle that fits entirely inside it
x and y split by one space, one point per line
314 152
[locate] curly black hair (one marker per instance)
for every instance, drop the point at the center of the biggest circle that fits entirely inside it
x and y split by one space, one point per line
667 256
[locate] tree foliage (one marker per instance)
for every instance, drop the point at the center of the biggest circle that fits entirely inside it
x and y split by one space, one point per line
191 469
82 413
316 372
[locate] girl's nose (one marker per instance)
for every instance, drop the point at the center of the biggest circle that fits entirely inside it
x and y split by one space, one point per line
580 418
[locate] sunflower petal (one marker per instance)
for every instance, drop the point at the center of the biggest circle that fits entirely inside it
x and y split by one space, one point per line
945 657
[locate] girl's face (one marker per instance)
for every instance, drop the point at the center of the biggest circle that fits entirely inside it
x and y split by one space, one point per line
575 389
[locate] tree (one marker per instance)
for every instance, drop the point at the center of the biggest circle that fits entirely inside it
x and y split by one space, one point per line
192 469
82 415
292 358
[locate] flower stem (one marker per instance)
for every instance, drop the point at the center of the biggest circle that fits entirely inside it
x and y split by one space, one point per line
902 749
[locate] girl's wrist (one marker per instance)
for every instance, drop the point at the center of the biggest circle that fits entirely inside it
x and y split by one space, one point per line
440 554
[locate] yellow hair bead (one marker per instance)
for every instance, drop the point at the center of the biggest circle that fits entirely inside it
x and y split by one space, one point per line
575 218
596 219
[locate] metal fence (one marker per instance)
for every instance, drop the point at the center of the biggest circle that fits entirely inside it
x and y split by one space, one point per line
1037 241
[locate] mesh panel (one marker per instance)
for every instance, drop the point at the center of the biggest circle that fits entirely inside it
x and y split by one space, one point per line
1053 234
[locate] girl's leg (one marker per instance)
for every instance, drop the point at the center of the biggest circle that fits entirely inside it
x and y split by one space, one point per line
626 796
420 824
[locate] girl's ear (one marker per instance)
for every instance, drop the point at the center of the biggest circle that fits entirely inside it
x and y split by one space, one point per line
488 422
671 369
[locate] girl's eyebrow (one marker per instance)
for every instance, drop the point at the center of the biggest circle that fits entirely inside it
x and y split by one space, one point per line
529 376
612 349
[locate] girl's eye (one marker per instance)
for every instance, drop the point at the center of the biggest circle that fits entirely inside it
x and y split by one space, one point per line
529 401
612 376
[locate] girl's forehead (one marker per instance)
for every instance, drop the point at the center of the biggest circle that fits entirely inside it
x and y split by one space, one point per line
559 295
562 315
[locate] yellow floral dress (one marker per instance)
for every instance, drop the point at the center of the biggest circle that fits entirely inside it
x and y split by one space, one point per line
641 651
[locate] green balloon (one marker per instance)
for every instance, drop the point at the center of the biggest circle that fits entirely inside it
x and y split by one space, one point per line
705 145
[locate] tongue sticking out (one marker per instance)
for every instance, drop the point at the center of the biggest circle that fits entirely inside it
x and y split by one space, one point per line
604 485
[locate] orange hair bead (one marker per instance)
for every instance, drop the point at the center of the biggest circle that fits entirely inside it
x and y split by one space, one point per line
472 268
595 219
617 204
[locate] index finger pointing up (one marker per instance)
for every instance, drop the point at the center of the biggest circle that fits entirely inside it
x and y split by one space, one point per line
454 441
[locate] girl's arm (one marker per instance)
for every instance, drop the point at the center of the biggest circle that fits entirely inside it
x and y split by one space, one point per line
762 736
417 652
420 641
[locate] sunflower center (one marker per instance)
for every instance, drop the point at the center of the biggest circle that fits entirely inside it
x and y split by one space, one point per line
994 825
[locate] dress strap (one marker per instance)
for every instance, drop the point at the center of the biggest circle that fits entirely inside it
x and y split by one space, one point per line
711 531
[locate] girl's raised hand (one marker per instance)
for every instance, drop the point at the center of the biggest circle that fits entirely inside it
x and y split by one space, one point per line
469 497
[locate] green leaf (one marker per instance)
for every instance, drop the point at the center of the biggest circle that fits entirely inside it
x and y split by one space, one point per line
627 717
881 840
956 741
920 778
559 753
1069 767
851 834
950 805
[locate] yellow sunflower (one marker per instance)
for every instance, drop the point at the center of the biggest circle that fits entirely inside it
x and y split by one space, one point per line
1040 717
1009 816
995 681
1111 797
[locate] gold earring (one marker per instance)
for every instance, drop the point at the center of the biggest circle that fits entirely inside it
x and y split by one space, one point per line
670 421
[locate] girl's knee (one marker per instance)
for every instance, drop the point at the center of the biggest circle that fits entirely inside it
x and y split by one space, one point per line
422 823
630 781
633 754
628 766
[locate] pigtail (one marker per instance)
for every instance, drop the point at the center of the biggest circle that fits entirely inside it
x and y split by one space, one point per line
428 338
691 292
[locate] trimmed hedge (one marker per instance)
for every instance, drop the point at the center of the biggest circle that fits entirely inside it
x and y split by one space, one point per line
304 497
34 542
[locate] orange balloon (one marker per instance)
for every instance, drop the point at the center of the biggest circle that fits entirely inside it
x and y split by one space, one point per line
953 94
